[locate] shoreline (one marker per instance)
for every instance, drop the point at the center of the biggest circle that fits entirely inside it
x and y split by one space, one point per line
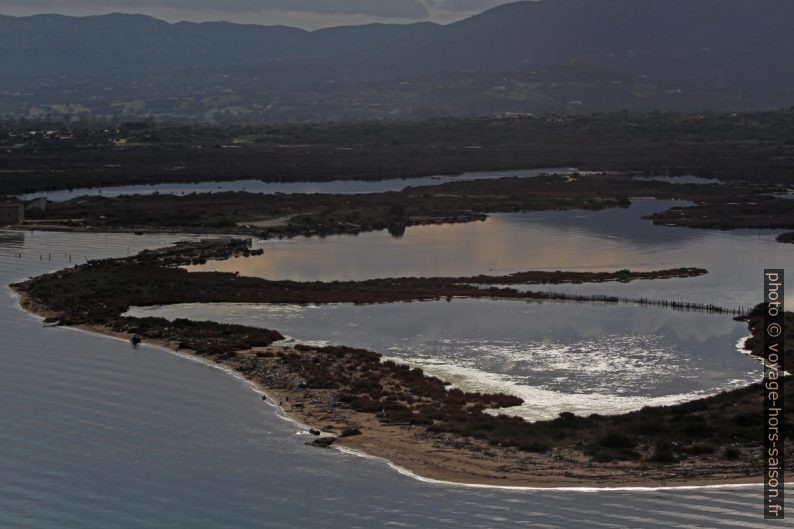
441 458
324 214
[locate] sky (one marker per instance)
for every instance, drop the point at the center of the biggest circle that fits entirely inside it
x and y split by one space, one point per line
308 14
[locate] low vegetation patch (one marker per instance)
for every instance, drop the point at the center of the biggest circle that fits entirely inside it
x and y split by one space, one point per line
787 237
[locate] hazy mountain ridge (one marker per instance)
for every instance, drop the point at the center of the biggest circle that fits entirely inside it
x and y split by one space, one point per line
662 54
137 44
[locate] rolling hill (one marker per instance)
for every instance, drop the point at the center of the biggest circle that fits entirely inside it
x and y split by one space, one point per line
536 56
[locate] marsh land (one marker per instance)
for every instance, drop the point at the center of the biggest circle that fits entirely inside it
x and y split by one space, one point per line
394 411
354 395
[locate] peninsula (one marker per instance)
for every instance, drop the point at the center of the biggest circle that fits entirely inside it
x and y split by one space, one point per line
355 399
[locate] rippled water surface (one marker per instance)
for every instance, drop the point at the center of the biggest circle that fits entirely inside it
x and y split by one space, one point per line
96 434
345 187
575 357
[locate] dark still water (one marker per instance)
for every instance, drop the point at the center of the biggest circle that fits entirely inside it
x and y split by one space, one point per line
607 240
342 187
96 434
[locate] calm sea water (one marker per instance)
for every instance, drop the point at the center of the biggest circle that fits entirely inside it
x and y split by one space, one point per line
346 187
97 434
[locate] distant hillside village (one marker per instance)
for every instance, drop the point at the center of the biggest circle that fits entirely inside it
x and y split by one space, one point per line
12 138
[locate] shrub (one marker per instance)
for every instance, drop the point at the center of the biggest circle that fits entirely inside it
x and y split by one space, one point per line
699 449
732 453
349 432
694 426
367 405
602 456
663 453
617 441
533 446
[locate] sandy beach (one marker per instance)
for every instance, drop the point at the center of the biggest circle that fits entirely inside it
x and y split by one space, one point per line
445 457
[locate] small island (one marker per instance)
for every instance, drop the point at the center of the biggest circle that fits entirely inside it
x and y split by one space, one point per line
787 237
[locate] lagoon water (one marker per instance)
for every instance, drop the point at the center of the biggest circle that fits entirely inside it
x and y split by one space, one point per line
683 179
343 187
95 433
607 240
576 357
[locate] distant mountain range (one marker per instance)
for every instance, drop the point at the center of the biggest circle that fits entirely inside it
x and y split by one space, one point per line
548 55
